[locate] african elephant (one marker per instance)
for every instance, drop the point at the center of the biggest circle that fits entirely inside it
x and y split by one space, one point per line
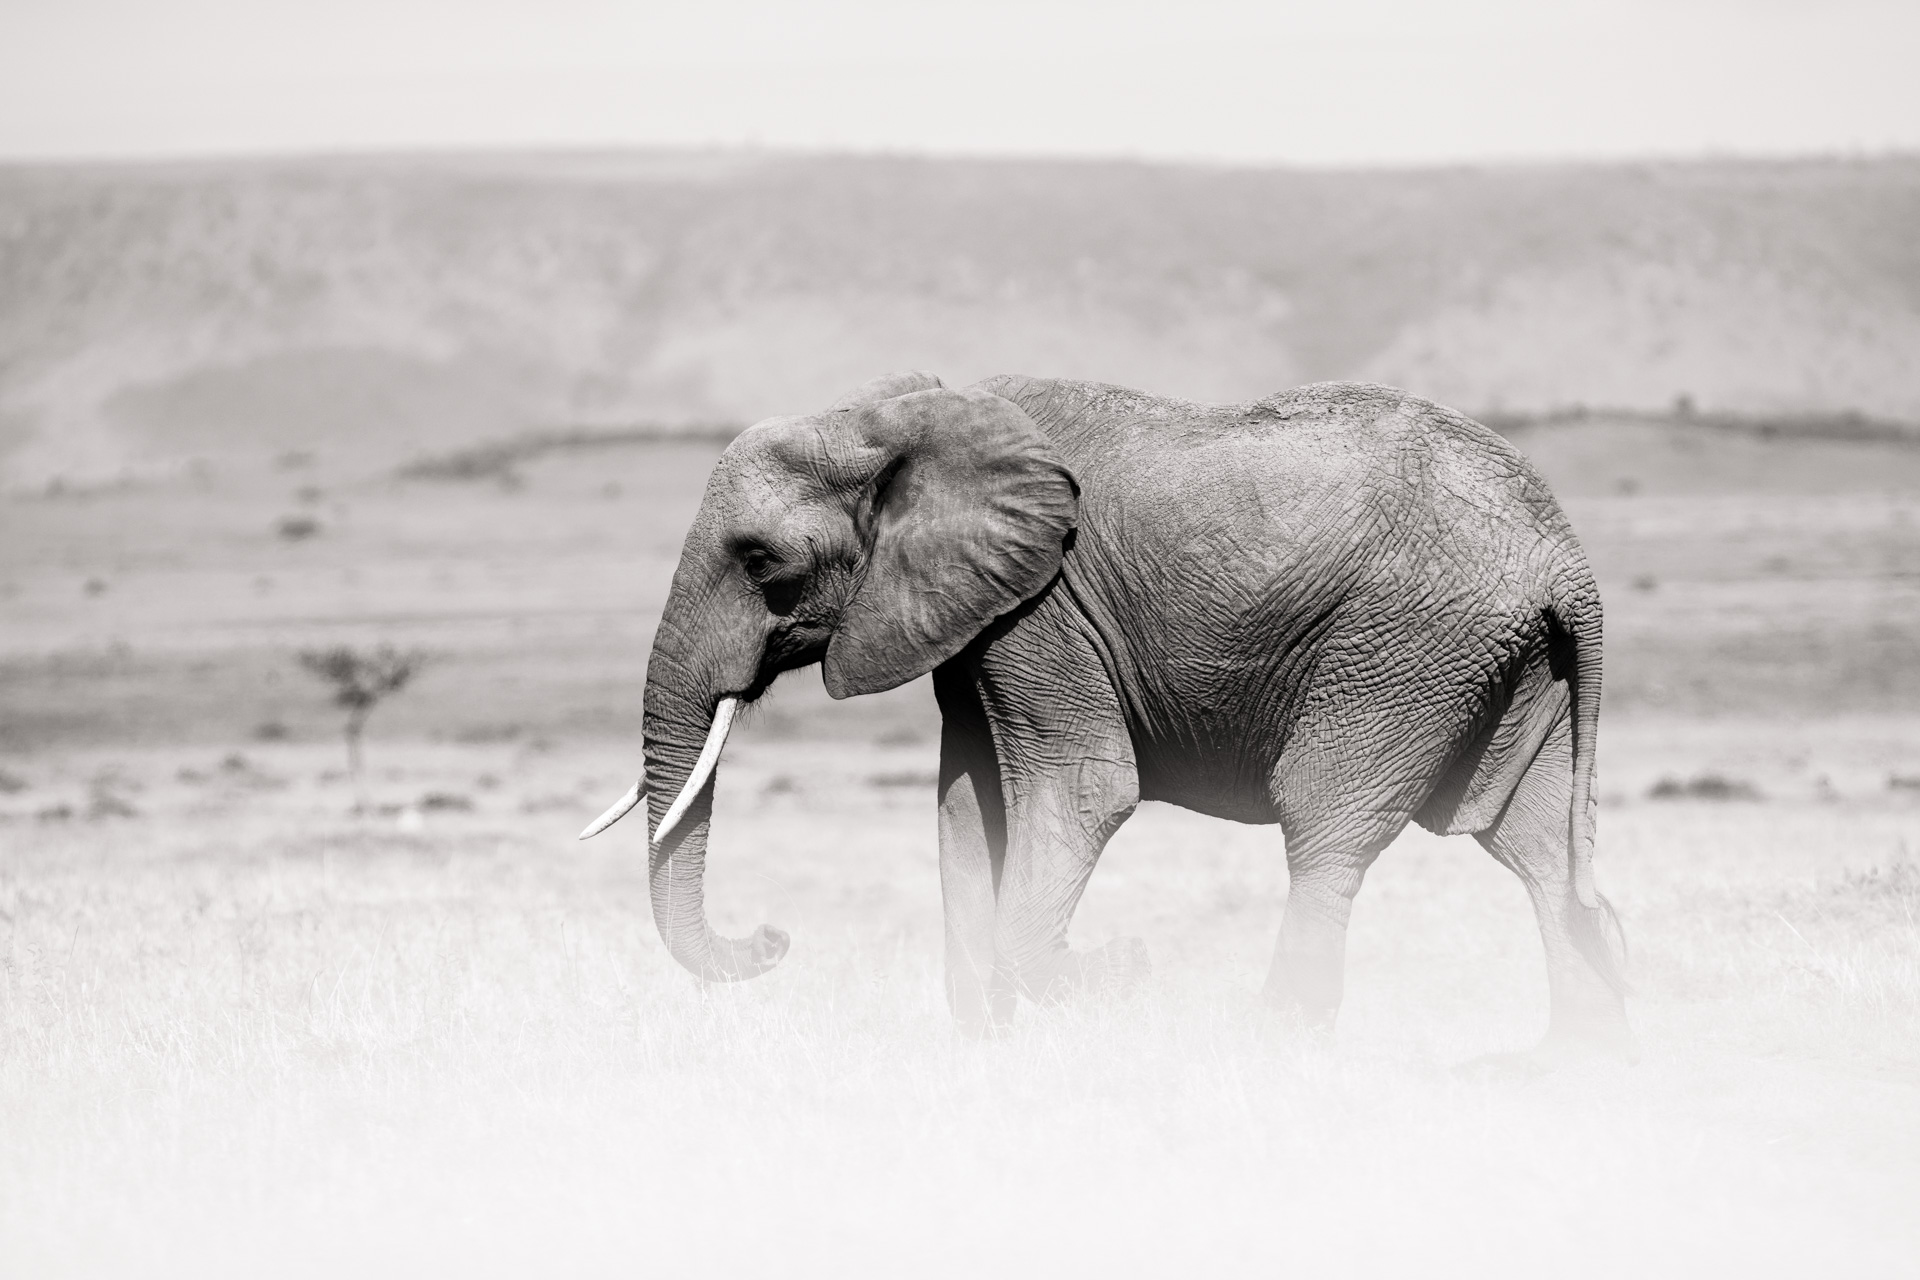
1340 608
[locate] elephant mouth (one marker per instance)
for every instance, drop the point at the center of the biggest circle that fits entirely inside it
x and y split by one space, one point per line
758 688
724 711
725 708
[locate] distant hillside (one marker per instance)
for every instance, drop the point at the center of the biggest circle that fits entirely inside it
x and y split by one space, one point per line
373 309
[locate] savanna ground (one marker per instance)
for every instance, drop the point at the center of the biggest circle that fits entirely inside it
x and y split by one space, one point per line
243 1031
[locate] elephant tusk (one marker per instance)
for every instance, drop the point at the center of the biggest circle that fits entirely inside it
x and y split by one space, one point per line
702 768
620 809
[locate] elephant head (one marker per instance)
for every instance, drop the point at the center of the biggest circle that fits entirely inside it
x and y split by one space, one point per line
878 539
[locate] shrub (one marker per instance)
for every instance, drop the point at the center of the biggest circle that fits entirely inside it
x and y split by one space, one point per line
1704 786
361 681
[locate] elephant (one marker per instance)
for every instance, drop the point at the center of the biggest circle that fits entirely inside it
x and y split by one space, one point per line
1341 608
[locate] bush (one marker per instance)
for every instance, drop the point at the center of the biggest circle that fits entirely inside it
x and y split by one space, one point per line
361 681
1704 786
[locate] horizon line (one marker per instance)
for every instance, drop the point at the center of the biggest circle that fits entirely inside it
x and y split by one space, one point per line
456 153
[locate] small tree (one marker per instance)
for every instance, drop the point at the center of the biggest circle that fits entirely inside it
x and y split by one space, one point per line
361 681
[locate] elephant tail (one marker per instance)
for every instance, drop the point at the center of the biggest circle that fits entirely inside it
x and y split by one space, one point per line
1575 618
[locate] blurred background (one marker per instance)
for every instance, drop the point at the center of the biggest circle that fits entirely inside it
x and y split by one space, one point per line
468 401
419 325
426 320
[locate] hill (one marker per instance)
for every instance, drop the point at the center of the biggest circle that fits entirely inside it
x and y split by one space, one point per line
375 309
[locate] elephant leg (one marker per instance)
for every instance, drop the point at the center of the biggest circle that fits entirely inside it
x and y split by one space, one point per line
1064 801
973 841
1068 780
1308 975
1588 1011
1345 788
1057 826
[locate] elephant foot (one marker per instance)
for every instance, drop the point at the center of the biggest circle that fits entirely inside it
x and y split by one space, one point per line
1306 981
1601 1038
1118 968
1522 1065
1300 1006
1297 1024
982 1030
1566 1045
981 1012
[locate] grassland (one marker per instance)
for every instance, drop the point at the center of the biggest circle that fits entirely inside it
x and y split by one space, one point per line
243 1032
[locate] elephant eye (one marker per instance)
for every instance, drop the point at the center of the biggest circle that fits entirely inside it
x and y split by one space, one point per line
759 563
780 584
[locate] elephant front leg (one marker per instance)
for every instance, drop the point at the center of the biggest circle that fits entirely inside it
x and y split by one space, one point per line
1066 779
1055 835
973 834
981 999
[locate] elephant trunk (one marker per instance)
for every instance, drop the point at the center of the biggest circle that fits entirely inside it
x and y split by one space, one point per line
685 726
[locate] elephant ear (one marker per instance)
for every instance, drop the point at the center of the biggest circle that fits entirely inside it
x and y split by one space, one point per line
970 508
886 387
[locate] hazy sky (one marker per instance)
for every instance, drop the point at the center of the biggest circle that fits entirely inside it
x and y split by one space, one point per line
1353 81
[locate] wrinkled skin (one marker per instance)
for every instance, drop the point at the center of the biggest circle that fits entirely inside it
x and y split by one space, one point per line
1339 609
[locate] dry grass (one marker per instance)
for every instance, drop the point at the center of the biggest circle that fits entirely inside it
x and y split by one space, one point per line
241 1033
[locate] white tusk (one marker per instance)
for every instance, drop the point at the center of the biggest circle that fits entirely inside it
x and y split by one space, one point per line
620 809
702 768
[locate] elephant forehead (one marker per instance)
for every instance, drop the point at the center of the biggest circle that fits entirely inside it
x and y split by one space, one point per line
778 477
776 462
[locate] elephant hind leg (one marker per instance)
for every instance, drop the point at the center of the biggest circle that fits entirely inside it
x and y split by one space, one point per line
1338 809
1349 782
1308 976
1584 945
